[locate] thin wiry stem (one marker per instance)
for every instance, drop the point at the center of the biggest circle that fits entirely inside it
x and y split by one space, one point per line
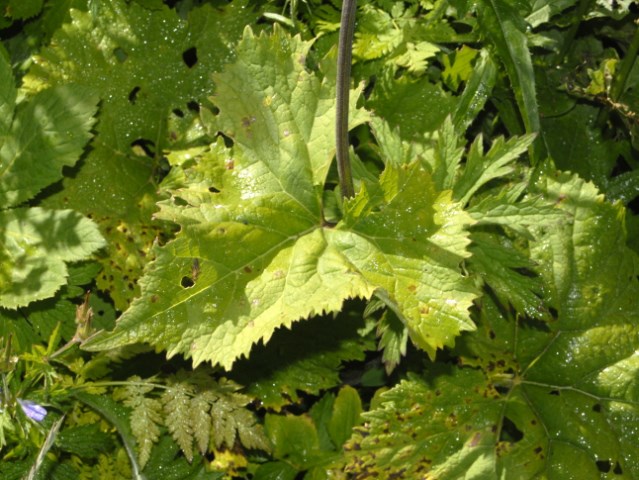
344 59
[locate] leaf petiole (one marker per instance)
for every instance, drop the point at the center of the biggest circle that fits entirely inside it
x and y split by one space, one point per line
344 59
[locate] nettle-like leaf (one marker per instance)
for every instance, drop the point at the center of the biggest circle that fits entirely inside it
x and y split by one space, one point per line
529 399
35 247
38 137
254 253
148 65
397 36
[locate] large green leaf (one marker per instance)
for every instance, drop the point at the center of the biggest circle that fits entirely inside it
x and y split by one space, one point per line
147 65
40 136
35 246
254 253
529 399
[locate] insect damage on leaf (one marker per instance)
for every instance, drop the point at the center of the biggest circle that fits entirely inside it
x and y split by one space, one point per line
267 258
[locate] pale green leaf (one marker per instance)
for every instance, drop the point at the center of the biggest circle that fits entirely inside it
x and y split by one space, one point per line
443 427
135 58
476 92
544 10
520 216
528 399
416 107
481 168
49 131
458 66
35 246
321 412
7 97
254 253
346 415
393 339
447 156
294 439
508 273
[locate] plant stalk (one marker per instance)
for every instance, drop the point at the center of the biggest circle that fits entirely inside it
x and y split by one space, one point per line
344 60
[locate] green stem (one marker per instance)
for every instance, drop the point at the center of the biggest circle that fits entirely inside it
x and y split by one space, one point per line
344 60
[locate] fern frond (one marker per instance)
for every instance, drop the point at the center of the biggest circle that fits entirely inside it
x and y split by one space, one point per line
178 407
146 415
201 420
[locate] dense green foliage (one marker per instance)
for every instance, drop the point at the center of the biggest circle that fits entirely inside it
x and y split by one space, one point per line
185 294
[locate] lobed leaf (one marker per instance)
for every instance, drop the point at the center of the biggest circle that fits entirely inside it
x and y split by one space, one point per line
255 254
35 246
145 64
529 399
48 132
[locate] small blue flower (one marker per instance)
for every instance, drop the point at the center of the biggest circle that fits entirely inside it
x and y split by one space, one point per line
33 410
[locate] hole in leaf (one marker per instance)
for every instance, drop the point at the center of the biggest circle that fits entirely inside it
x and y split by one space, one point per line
554 392
603 466
596 408
213 190
617 470
621 166
553 312
215 110
502 389
120 55
193 106
228 142
368 89
178 113
510 432
633 205
190 57
143 147
133 95
187 282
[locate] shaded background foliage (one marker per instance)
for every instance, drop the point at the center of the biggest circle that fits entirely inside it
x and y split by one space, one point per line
116 107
